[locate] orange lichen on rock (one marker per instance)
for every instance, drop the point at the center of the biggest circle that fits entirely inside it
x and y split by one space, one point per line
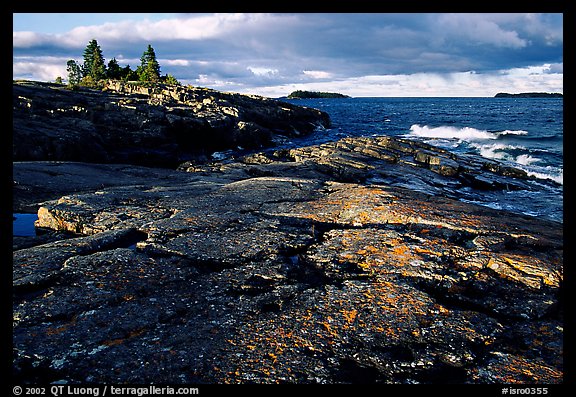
529 270
512 369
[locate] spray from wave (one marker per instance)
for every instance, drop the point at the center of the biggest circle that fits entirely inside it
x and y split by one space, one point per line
502 151
447 132
463 134
483 143
557 175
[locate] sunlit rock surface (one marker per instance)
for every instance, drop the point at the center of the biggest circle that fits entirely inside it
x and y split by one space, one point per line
295 266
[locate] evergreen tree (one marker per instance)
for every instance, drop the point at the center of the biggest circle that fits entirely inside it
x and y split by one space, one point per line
94 66
170 80
129 74
149 69
94 69
113 69
74 72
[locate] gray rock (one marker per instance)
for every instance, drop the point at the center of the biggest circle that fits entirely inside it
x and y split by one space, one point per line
153 126
291 267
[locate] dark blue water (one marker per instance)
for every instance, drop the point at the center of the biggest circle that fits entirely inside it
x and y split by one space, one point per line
23 224
526 133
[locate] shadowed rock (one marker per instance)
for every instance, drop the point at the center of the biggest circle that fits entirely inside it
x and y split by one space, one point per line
153 126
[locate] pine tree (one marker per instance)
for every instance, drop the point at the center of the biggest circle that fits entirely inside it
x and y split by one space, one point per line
114 71
93 66
128 74
149 69
170 80
94 69
74 72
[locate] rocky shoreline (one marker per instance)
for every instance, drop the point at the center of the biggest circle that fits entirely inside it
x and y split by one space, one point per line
309 265
159 126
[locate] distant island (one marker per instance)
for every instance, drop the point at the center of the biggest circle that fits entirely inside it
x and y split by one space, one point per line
315 94
529 95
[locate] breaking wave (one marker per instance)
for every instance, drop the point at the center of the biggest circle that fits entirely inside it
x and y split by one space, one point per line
496 145
463 133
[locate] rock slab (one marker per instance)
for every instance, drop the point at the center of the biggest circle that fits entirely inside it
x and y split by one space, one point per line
288 267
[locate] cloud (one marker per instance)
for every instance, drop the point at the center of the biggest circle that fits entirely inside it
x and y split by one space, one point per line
556 68
176 62
264 72
479 29
461 84
318 74
44 69
258 51
191 27
26 39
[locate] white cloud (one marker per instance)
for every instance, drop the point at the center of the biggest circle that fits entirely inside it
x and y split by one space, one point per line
533 70
464 84
175 62
555 68
26 39
317 74
31 70
211 81
262 72
188 27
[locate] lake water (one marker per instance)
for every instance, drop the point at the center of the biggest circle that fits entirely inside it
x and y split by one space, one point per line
23 225
526 133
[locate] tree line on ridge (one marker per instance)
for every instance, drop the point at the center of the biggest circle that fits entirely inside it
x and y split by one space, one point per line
94 70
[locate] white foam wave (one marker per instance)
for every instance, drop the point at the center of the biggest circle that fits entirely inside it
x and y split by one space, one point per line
556 175
513 132
526 162
464 133
499 151
483 142
526 159
494 151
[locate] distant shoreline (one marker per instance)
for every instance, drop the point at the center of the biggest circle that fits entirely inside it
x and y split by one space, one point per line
314 94
529 95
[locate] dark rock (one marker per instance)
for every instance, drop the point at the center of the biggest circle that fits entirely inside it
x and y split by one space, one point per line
38 181
315 94
36 266
153 126
288 267
441 165
530 95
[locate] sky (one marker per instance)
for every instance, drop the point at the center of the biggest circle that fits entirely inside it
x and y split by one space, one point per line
357 54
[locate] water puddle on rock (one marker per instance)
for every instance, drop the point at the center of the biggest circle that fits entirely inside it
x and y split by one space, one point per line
23 225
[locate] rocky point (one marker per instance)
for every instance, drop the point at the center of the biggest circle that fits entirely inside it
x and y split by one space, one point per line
155 126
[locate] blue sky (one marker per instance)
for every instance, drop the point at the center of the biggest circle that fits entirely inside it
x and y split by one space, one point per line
373 54
64 22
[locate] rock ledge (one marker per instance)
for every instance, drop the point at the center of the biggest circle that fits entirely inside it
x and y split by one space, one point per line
153 126
286 267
